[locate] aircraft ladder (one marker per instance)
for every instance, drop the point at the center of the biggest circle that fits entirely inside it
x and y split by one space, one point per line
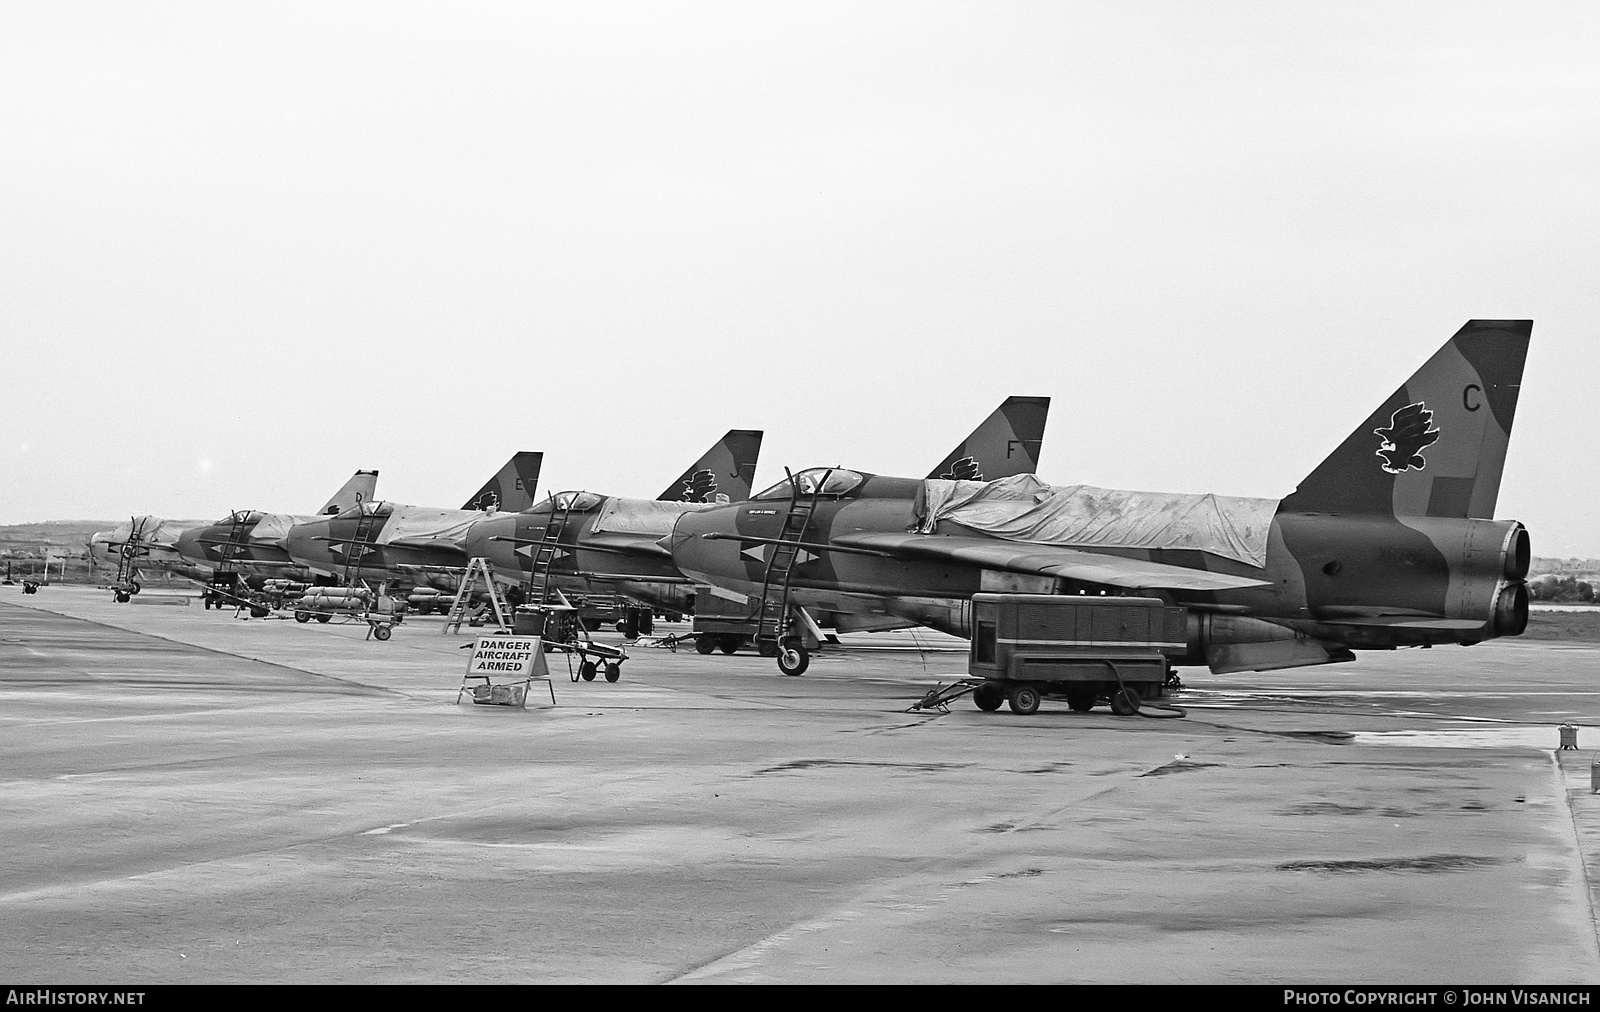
544 552
128 552
357 548
775 614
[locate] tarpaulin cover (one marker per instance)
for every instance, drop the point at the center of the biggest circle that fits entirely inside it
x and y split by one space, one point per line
651 517
1023 508
155 530
421 523
272 528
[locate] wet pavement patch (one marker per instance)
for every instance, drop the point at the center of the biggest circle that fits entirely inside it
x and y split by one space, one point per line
1177 766
1433 862
1327 737
809 764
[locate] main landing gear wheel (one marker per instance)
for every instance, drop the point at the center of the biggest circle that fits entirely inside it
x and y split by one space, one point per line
586 671
794 658
988 697
380 632
302 617
1124 702
134 588
1024 700
613 671
704 644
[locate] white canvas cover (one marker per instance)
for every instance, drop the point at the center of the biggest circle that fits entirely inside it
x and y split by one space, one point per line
1025 509
156 531
421 523
272 528
650 517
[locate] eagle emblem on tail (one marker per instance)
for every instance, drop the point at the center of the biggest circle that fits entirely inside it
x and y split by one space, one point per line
965 469
1409 432
701 486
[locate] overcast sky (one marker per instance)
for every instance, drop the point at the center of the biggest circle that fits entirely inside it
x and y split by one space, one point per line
246 249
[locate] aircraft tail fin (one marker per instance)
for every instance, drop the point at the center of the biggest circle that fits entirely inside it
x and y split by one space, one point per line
1436 447
512 487
358 489
723 473
1006 443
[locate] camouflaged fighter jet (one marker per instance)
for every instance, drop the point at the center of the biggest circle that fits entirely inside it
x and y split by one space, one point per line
1387 543
251 542
144 545
377 541
586 543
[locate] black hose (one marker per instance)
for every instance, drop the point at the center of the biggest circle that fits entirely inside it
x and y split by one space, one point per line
1168 712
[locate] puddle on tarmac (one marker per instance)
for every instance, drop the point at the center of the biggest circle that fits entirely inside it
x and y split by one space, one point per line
1543 738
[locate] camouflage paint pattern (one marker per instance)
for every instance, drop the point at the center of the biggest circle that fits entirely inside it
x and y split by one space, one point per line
1006 443
723 473
350 542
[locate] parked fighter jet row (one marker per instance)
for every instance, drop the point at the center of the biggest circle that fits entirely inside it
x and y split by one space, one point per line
1389 542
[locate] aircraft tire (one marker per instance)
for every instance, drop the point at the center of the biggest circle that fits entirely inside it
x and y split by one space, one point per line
613 671
134 588
1124 702
704 645
988 696
793 658
1024 699
302 617
586 671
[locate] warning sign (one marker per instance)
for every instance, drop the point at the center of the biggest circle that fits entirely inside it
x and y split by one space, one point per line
508 656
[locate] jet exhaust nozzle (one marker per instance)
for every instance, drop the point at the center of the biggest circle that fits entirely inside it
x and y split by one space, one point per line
1511 610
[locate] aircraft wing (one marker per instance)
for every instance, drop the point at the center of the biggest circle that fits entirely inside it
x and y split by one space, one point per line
616 544
1049 560
424 544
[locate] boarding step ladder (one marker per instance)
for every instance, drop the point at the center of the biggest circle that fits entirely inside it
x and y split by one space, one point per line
360 542
128 554
773 615
477 568
546 549
225 576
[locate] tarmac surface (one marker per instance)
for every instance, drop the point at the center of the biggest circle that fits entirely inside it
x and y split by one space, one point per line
191 798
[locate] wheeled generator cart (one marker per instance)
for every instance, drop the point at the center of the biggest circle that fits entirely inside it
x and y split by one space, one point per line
1085 650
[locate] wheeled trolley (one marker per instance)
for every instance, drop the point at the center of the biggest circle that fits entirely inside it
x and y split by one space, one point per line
561 627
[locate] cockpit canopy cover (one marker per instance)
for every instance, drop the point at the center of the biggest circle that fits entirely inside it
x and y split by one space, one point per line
367 509
1023 508
652 517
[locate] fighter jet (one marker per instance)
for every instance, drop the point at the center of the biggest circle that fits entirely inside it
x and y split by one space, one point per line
251 542
1387 543
144 545
587 543
377 541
